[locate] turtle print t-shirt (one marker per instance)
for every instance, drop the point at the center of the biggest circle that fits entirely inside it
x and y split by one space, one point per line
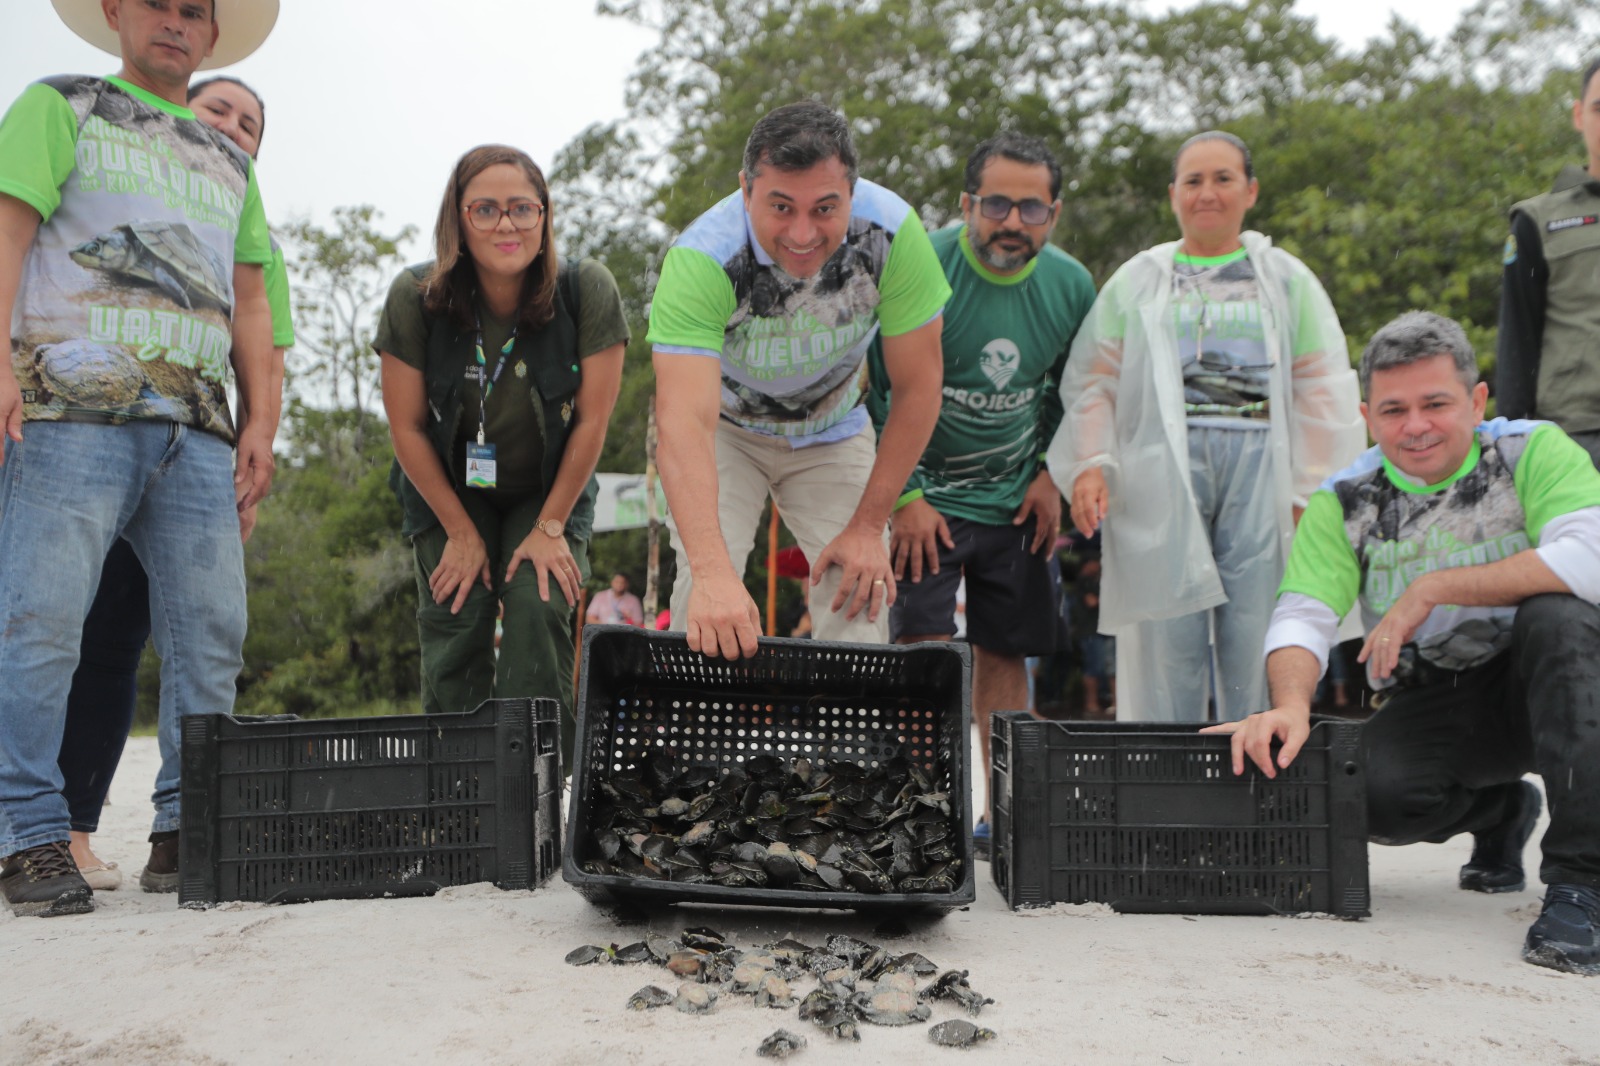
125 309
1370 531
793 350
1222 347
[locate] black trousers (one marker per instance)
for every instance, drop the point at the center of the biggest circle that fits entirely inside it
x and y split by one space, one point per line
1444 757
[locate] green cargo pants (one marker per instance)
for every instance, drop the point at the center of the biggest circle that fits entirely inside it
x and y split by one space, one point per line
460 667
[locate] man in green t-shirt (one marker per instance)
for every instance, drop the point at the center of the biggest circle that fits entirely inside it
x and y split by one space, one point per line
760 326
1473 550
132 239
979 506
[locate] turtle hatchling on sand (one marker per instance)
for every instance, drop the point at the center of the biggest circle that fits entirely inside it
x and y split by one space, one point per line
649 997
94 376
889 1006
694 999
781 1044
166 254
959 1033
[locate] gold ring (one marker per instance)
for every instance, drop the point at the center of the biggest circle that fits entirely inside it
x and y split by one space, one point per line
1383 640
879 581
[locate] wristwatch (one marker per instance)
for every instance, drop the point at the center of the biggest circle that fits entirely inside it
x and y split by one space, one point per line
551 527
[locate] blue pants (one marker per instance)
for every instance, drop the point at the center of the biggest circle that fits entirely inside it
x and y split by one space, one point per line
1178 665
66 493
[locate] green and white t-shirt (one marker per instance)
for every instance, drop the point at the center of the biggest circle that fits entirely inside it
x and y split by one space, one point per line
1370 531
1216 306
126 302
793 350
1005 342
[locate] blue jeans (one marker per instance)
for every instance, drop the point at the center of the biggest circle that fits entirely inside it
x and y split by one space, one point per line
66 493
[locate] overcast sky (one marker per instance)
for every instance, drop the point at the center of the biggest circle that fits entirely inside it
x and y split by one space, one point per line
371 101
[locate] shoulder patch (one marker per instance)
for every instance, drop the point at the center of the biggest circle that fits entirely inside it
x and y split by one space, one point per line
1558 224
1510 255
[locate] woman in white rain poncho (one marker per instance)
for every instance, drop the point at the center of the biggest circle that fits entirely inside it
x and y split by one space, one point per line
1207 394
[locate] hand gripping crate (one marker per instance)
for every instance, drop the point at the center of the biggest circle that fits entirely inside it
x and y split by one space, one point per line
282 811
1150 818
645 692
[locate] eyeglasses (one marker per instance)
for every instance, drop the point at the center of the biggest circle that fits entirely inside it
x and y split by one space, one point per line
486 214
998 208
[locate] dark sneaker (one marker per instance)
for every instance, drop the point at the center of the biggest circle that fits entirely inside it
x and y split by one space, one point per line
44 881
1496 863
160 874
981 840
1567 934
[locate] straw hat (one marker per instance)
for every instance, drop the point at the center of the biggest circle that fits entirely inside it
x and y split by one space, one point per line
242 26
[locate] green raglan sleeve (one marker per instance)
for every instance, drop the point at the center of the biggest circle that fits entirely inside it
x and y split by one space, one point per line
1322 564
38 148
913 287
1554 477
278 299
254 242
692 303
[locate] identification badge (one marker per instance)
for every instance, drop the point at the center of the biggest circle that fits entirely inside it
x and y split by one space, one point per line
480 466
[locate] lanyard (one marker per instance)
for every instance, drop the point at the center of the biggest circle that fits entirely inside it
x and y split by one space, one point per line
486 381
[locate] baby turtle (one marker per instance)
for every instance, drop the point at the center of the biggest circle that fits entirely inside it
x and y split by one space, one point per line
166 254
952 985
774 992
781 1044
638 952
890 1006
694 999
830 1011
589 953
959 1033
648 998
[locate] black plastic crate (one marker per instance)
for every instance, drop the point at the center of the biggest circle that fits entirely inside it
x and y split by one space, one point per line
1150 818
286 810
645 692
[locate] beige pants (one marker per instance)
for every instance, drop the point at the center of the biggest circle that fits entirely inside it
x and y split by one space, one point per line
816 490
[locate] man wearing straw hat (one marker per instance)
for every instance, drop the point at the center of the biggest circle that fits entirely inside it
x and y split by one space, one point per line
131 242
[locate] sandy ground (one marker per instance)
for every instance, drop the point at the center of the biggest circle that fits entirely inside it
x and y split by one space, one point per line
475 975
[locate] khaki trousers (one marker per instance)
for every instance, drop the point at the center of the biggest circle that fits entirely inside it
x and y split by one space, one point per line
816 490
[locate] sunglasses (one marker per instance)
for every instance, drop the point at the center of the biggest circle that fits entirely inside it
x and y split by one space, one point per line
998 208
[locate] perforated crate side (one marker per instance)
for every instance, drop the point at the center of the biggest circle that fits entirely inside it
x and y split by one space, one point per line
347 808
646 694
1151 818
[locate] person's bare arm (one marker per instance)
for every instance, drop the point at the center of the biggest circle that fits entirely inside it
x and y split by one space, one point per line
19 223
260 404
915 364
721 617
1503 583
465 560
597 394
1292 675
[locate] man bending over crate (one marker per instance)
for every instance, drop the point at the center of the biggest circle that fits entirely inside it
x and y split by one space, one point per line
760 326
980 504
1473 549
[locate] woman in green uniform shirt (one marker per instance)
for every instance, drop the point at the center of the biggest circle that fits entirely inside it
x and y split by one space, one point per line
500 368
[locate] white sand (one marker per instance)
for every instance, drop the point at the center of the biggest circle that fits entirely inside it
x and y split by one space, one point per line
475 975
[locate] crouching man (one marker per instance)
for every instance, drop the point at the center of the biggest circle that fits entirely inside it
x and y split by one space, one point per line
1474 550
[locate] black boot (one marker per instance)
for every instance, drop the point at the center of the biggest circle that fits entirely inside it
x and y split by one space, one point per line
1496 863
1567 934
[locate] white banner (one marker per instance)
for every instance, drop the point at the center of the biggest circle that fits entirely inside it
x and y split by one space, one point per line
621 503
